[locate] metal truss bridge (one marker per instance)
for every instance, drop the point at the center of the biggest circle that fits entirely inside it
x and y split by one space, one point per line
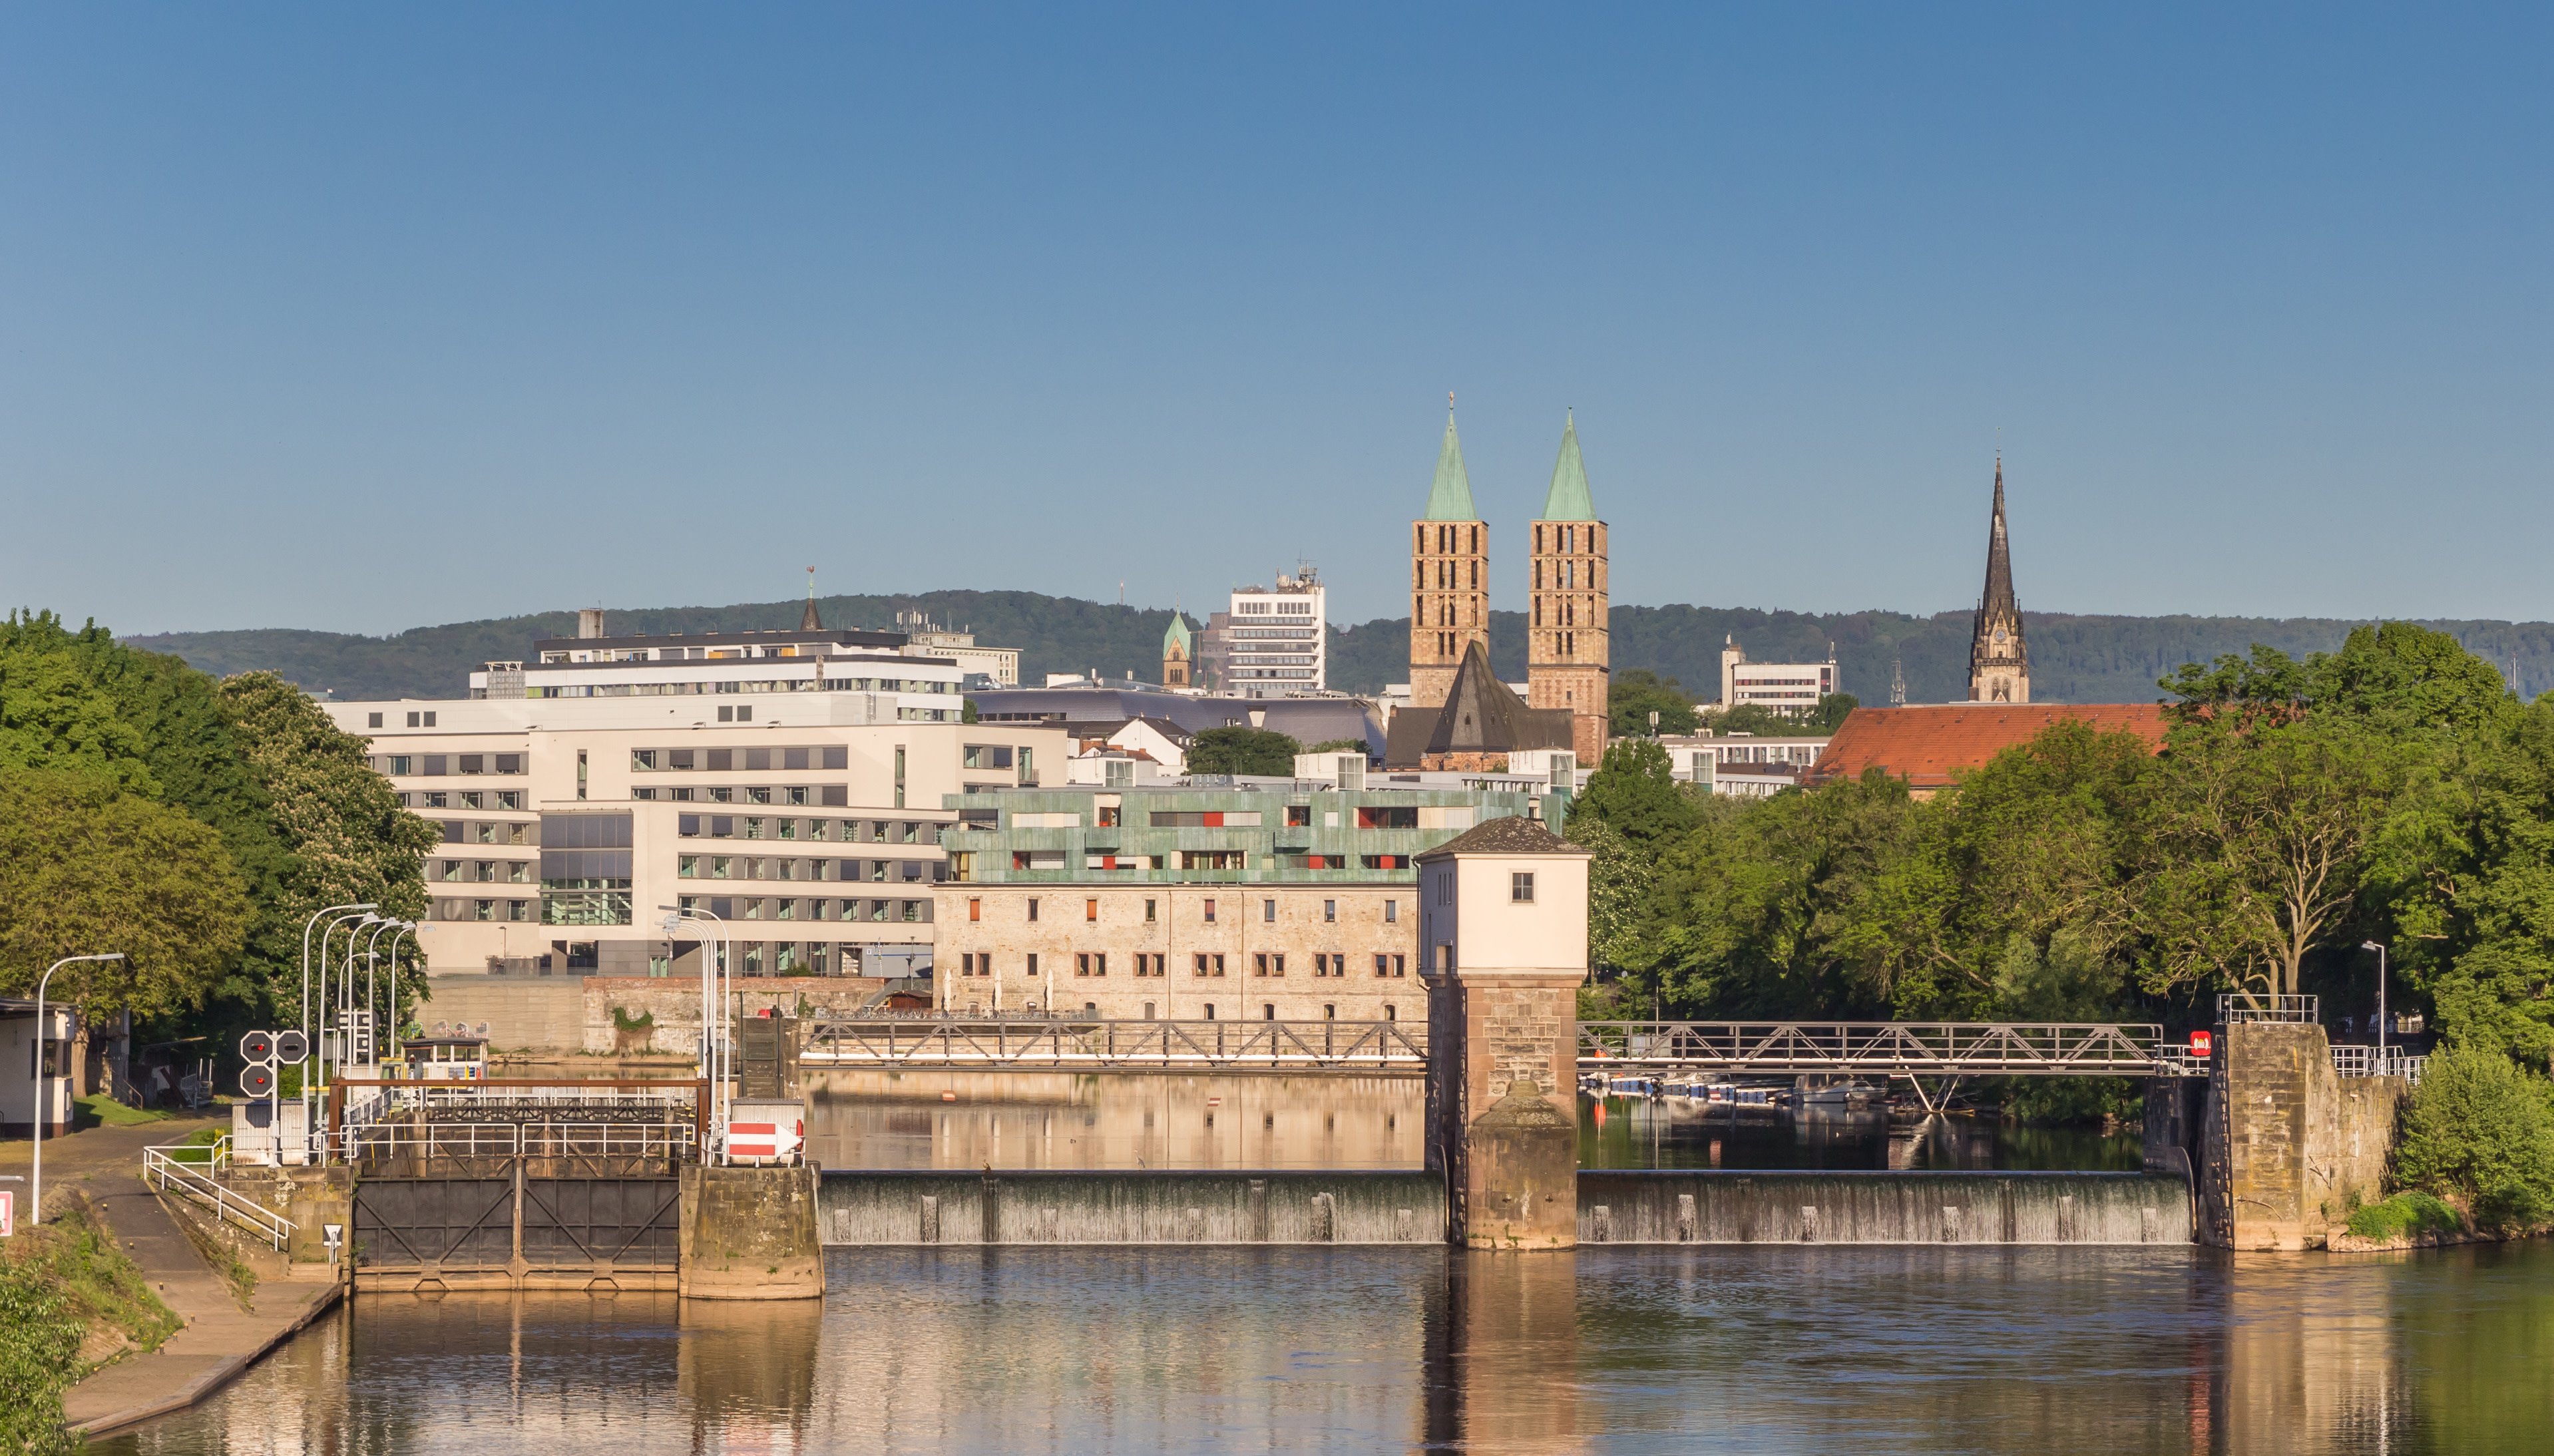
1885 1048
1124 1046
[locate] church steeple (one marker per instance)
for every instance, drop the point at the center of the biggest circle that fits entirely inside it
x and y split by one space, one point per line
1568 653
807 621
1449 595
1999 659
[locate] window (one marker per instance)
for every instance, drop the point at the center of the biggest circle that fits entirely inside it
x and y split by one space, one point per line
1091 964
913 910
1268 1011
486 832
1520 888
1032 899
754 829
722 866
518 909
511 799
1032 962
1329 911
483 909
435 800
375 721
1385 861
1210 912
1091 910
1388 819
687 867
1148 912
1210 1014
1268 912
1299 816
1210 964
975 907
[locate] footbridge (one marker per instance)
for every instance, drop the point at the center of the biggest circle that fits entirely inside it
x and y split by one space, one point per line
1885 1048
1095 1044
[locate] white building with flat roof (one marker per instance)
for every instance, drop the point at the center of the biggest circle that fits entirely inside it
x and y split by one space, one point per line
1791 688
1276 639
790 783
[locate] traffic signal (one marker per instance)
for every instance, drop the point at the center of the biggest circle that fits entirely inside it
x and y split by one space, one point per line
257 1046
256 1080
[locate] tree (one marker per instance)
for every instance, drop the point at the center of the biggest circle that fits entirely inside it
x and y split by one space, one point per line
54 715
1636 693
2258 835
967 709
351 840
1636 792
1751 717
1620 880
86 868
1338 746
1832 709
1245 750
2482 1129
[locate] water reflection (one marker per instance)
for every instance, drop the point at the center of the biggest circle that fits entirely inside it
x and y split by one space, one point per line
1675 1132
1921 1349
1027 1119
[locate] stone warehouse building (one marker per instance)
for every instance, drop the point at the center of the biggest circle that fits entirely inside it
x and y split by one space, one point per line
790 783
1274 899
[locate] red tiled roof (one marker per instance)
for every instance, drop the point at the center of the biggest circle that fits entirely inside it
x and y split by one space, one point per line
1923 746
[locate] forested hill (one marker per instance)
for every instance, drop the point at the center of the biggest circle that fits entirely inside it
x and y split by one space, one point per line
2073 659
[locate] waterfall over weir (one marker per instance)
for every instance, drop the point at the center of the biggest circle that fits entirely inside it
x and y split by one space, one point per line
1356 1206
1791 1208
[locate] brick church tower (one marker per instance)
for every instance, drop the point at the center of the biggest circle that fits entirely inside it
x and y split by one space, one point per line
1569 656
1999 660
1450 566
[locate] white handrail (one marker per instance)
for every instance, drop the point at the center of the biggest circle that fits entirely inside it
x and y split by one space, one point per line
182 1176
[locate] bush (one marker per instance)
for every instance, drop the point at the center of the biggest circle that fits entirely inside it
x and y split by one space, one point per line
2481 1128
40 1340
2404 1214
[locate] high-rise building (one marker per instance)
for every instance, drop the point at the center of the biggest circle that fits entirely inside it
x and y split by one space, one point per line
1569 656
1449 577
1999 660
1277 640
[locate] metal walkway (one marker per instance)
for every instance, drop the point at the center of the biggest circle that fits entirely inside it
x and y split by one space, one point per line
1881 1048
1365 1046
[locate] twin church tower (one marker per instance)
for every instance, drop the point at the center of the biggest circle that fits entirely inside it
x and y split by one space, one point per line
1568 650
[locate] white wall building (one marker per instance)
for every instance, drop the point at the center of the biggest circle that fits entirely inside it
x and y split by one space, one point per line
1742 765
788 782
1792 688
1276 641
923 639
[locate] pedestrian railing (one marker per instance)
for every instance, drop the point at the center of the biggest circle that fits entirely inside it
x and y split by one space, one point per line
1378 1045
2242 1006
2378 1061
428 1141
181 1169
1886 1048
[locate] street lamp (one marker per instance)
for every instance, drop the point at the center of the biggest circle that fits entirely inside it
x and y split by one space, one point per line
713 997
391 1007
35 1209
333 910
372 980
344 985
2381 999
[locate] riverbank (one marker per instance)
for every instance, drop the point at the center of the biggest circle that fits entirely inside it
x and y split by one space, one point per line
71 1302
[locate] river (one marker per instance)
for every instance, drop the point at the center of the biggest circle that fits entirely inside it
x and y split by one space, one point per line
1623 1349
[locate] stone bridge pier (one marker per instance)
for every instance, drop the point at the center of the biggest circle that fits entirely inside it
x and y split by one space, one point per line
1503 940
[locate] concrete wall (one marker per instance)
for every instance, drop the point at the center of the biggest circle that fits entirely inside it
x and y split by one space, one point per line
676 1006
2287 1142
540 1014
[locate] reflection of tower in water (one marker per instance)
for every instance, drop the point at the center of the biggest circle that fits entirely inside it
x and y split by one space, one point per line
1499 1368
746 1373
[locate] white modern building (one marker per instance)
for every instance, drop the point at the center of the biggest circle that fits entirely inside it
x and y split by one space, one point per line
1276 639
923 639
1742 765
790 783
1792 688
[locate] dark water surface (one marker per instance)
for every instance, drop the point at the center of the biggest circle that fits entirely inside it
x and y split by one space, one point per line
2037 1350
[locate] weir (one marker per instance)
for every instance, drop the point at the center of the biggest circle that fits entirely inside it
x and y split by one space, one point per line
1160 1207
1756 1207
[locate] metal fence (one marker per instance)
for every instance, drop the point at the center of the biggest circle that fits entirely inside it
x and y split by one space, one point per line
192 1171
1378 1045
2240 1006
2378 1061
424 1141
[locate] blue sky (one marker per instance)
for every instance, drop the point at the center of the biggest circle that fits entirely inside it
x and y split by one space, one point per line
365 317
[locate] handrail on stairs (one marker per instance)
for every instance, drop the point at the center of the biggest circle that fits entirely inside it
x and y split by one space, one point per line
189 1177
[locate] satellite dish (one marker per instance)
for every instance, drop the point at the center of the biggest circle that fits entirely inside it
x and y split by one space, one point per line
258 1080
292 1048
257 1046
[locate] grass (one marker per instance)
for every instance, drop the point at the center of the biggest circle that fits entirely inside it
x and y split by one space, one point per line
97 1109
2406 1213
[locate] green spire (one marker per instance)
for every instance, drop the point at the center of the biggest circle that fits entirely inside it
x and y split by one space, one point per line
1568 499
1451 498
1177 635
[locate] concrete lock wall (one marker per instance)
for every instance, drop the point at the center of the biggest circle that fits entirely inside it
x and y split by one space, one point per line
750 1233
2289 1144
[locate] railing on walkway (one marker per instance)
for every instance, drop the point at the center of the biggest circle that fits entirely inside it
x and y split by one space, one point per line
424 1141
1882 1047
1366 1045
192 1171
2378 1061
2237 1006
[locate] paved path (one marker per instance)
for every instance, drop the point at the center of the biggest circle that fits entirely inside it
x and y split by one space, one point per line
220 1338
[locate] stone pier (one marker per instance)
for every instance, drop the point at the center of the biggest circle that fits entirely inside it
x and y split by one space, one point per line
1503 936
750 1233
2279 1146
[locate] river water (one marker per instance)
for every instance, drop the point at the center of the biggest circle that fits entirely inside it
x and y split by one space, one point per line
1619 1349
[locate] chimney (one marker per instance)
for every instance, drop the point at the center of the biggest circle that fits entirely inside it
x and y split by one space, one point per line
589 621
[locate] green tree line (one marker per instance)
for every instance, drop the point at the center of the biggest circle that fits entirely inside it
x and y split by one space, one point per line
2392 791
189 823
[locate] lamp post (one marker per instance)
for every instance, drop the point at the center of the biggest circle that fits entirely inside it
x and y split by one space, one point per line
406 928
372 980
713 999
35 1209
315 917
345 982
2381 999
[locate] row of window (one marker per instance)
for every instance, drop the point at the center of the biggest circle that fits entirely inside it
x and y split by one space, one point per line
490 832
847 830
438 765
481 871
1207 909
756 868
745 714
823 795
901 912
1091 963
423 718
751 760
470 799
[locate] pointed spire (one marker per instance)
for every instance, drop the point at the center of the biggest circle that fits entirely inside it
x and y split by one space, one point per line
807 621
1450 497
1999 594
1177 635
1568 499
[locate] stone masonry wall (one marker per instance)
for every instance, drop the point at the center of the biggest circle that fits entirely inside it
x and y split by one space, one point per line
2289 1141
676 1006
